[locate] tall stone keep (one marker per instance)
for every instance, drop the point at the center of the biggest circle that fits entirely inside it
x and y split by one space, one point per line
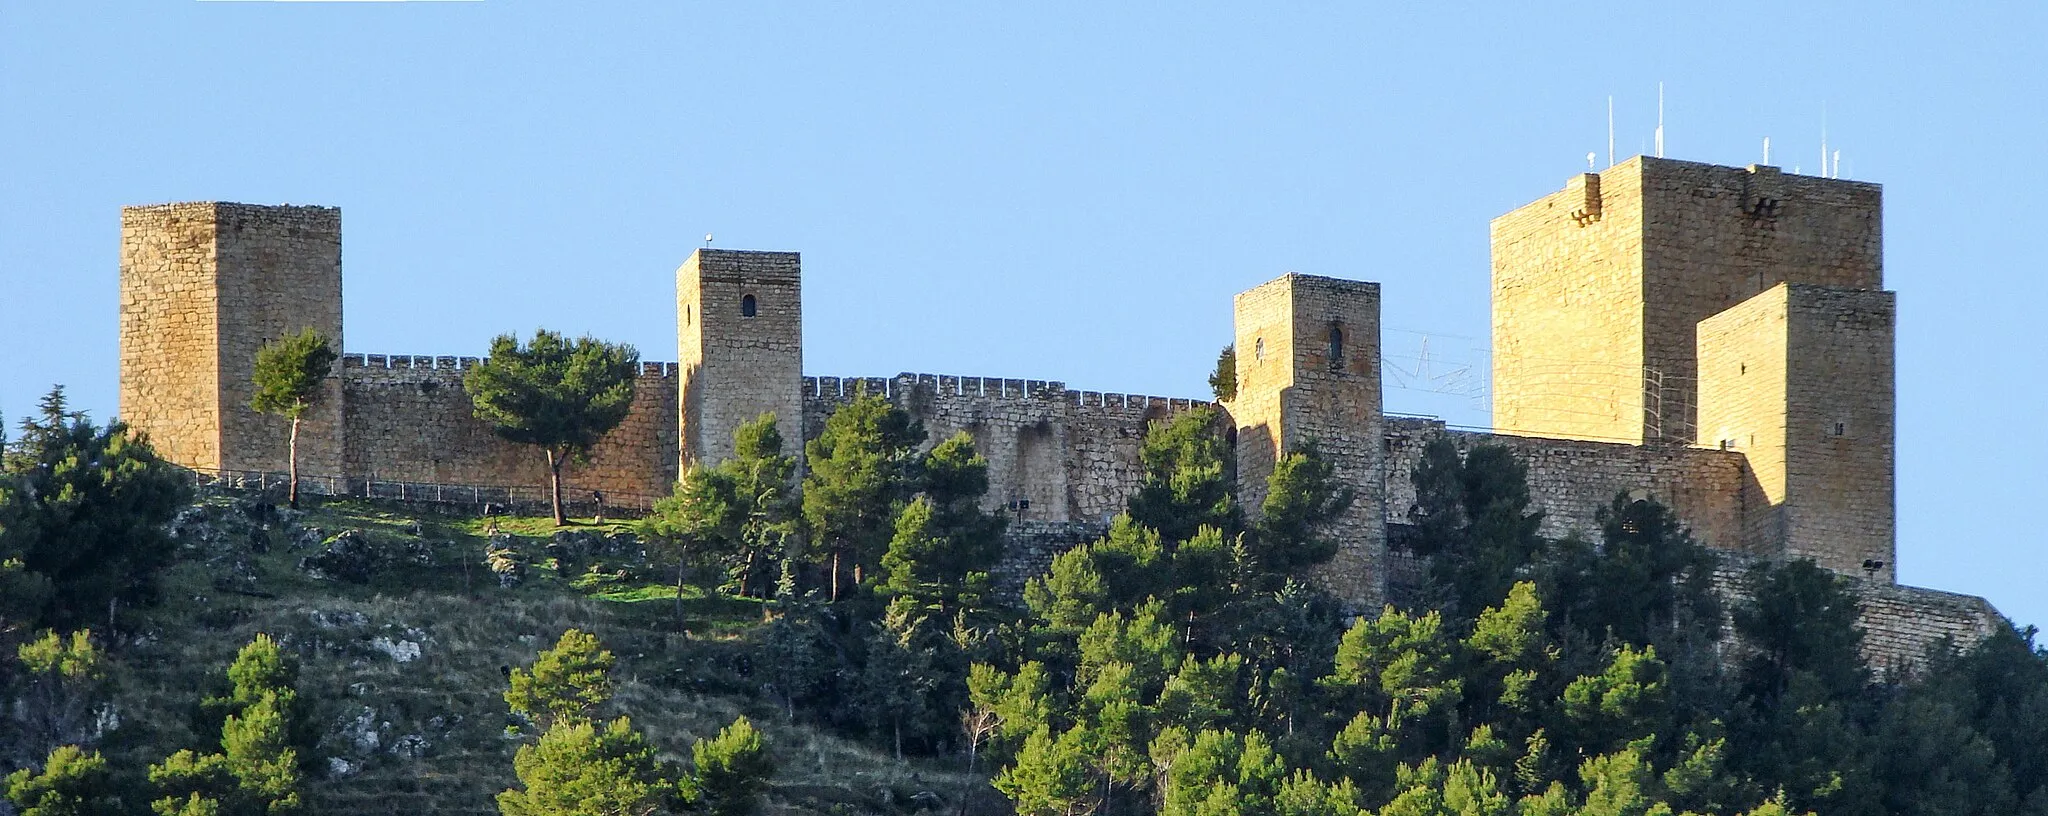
1597 289
203 286
1800 380
741 328
1308 369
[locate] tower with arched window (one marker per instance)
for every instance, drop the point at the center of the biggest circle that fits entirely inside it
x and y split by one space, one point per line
740 330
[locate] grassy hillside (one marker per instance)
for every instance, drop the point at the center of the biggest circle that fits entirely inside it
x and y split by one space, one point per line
405 669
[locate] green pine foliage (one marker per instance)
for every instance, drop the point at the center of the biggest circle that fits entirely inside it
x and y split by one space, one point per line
739 515
72 782
567 682
1223 381
256 771
731 770
83 510
582 768
289 376
555 394
863 468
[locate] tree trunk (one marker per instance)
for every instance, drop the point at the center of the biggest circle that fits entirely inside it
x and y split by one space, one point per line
835 576
681 564
291 460
555 486
973 751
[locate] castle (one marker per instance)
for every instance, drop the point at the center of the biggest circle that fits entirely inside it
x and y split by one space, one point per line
1716 337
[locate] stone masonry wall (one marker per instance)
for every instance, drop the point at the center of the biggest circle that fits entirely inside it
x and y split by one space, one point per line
1569 480
170 379
1716 236
736 366
1799 379
1743 362
409 420
203 286
279 273
1839 429
1054 454
1567 312
1313 375
1598 288
1899 623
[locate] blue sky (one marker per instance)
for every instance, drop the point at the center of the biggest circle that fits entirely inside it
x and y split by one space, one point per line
1060 191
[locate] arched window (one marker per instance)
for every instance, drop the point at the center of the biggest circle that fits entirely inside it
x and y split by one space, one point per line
1336 347
747 307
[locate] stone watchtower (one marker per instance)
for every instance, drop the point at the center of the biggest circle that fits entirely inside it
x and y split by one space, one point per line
740 349
1800 379
1679 303
203 286
1308 368
1597 289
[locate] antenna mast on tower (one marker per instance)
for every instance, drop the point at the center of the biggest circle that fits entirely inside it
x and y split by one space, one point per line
1610 130
1660 120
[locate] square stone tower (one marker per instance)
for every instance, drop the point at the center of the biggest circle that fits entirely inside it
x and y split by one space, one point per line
1308 368
1800 380
1597 288
741 328
203 286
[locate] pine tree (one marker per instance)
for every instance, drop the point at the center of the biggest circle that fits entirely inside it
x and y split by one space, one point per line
742 511
567 682
256 772
730 771
72 782
581 768
290 376
1185 484
83 510
558 395
862 467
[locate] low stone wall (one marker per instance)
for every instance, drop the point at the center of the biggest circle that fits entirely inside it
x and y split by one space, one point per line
1030 546
408 419
1054 454
1569 480
1899 623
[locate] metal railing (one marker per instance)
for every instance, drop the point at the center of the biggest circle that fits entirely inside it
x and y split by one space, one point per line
496 498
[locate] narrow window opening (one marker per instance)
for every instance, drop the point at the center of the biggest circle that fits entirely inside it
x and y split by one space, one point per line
1745 369
1259 349
687 310
1841 428
1336 347
747 307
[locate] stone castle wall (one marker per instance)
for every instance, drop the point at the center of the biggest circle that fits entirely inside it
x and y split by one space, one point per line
203 286
1716 236
1054 454
1567 315
1900 623
170 372
410 421
1570 480
1637 313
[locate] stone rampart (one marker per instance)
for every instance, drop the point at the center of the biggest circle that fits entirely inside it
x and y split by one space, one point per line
410 420
1055 454
1569 480
1900 623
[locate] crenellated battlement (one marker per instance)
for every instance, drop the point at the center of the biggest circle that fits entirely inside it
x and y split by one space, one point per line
363 365
947 386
